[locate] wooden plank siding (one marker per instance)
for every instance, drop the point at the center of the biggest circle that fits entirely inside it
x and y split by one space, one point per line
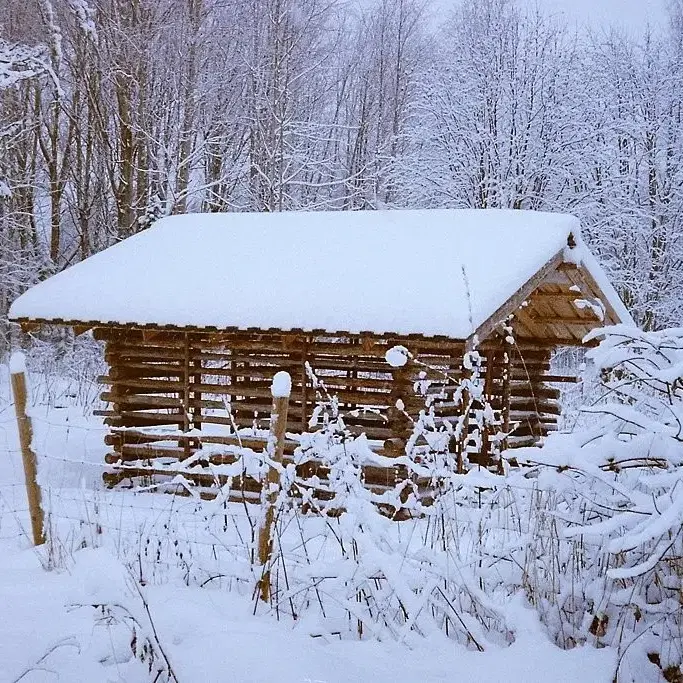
189 379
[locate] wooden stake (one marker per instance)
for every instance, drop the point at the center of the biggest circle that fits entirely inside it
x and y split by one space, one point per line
464 432
488 396
281 389
28 456
506 389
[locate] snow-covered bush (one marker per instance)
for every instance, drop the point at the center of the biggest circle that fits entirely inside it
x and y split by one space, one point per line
65 367
618 489
358 565
587 531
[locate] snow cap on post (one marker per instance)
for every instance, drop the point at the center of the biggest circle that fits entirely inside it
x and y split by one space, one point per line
17 363
282 385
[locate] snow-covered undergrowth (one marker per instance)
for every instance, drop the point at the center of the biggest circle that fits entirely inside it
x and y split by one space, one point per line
618 488
579 549
67 367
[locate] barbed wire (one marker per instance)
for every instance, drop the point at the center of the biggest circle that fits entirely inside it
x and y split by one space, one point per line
88 426
182 519
170 535
101 503
200 518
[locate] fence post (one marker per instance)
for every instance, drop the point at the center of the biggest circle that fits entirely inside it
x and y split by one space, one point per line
18 374
281 390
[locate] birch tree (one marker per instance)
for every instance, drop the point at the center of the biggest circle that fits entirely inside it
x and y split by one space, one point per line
492 120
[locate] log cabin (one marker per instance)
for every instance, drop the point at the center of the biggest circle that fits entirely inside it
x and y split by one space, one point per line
198 312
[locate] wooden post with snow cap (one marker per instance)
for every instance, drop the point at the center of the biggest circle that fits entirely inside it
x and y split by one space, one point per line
281 389
19 390
399 424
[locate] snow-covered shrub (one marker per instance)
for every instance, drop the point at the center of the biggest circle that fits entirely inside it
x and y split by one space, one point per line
441 445
618 489
370 571
586 533
66 368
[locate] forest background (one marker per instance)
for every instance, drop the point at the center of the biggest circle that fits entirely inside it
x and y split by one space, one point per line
116 112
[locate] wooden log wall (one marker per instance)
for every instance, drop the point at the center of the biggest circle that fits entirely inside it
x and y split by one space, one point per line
525 394
517 385
187 380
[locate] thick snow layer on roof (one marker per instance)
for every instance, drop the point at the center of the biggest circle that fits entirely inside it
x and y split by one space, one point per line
435 272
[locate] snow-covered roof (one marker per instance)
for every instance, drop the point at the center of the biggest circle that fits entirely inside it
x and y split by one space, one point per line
432 272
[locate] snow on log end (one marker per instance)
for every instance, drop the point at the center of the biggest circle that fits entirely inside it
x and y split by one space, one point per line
17 363
397 356
282 385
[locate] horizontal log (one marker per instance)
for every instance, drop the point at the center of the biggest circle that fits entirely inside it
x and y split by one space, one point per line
254 372
126 368
145 401
133 399
171 386
530 429
541 319
255 354
522 415
521 349
251 389
142 371
521 441
131 453
559 379
140 419
243 420
161 333
147 452
164 386
565 296
149 354
136 438
380 347
522 371
558 341
257 360
372 433
357 364
151 334
522 358
366 418
197 478
338 382
525 404
234 495
530 390
339 346
242 406
124 345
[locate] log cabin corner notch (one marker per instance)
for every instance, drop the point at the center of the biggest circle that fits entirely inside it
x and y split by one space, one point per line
200 309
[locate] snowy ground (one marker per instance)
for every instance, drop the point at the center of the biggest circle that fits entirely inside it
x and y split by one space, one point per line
211 635
77 621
